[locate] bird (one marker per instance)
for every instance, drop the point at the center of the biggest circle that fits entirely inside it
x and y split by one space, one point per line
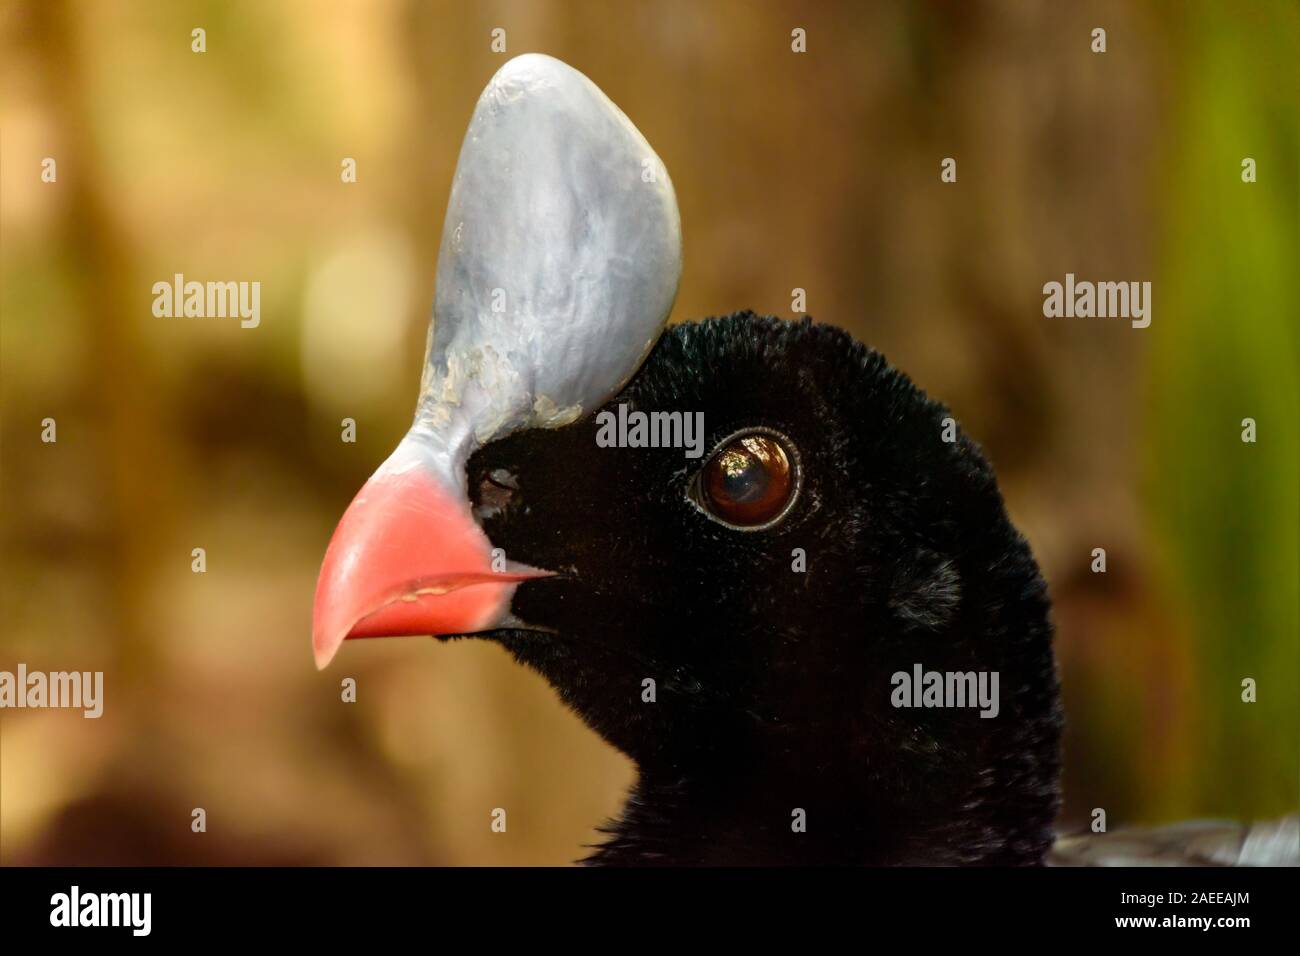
817 634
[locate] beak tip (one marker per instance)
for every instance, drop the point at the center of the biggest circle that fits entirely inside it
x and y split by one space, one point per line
323 649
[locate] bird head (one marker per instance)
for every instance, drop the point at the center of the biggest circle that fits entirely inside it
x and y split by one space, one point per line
750 608
732 603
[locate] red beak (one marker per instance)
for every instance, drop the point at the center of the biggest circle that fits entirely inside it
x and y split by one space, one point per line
408 558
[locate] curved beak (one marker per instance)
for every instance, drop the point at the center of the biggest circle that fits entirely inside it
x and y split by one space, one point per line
408 558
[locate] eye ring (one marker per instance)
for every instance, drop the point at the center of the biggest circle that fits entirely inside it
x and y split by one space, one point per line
698 498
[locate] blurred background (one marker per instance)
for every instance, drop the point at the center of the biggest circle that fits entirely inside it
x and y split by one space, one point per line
818 171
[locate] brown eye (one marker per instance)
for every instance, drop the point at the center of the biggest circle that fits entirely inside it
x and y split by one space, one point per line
749 482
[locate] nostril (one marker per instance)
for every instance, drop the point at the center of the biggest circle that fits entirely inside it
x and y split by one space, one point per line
497 488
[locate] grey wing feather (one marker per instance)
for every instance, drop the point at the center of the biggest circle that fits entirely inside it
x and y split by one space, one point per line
1196 843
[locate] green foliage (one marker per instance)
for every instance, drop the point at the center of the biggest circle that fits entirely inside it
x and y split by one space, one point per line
1225 348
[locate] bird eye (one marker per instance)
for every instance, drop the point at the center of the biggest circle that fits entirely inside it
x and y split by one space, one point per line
750 481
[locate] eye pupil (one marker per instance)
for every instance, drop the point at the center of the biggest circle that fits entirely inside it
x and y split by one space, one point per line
749 481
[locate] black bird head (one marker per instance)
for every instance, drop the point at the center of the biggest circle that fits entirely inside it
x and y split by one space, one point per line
771 648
